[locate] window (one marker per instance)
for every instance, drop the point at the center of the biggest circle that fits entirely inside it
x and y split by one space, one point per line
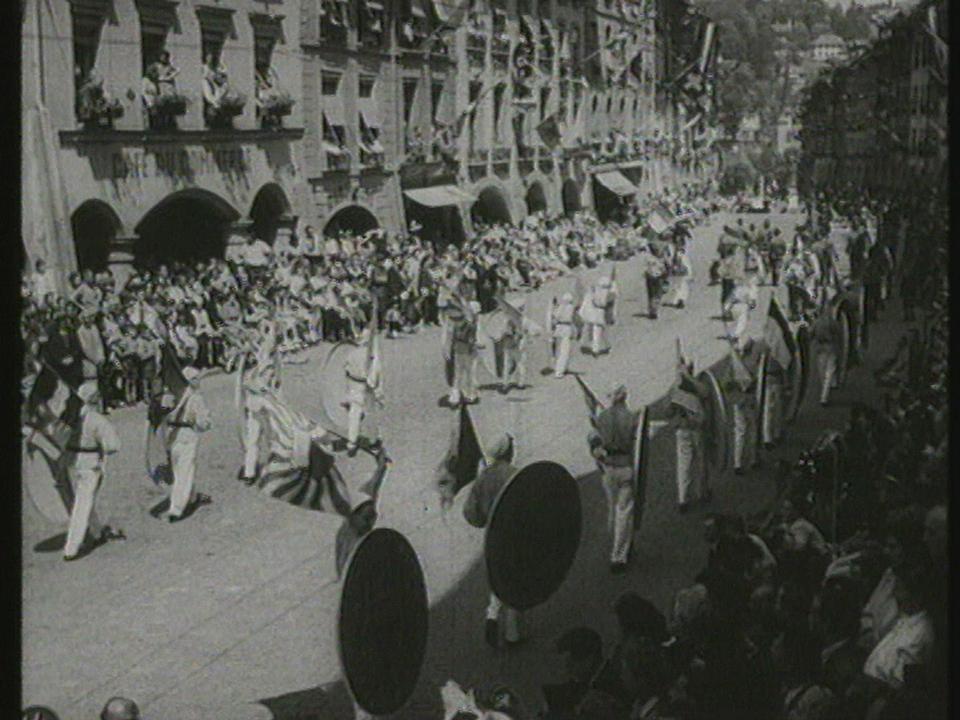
596 103
498 93
91 99
329 84
365 88
436 91
544 101
371 22
334 18
409 96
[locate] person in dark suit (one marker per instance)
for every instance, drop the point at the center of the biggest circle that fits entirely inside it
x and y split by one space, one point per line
588 678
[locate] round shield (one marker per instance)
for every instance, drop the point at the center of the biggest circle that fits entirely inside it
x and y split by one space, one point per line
533 534
333 382
382 625
717 425
45 475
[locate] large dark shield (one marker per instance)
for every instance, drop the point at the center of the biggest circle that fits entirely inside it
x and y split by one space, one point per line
799 372
641 460
717 423
382 626
533 534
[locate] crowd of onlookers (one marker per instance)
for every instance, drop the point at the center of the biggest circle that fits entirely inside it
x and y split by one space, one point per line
833 607
317 289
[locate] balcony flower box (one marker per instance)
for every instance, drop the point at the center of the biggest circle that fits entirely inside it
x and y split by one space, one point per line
231 105
278 104
100 112
171 105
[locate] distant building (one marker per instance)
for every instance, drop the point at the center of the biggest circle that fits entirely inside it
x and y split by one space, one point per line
829 47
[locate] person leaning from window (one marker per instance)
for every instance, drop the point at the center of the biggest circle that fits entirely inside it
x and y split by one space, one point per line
215 85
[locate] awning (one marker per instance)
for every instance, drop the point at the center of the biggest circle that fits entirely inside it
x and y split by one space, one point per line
439 196
369 118
616 183
330 149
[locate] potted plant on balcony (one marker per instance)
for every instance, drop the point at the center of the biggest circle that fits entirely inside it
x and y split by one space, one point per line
231 104
95 108
278 104
172 105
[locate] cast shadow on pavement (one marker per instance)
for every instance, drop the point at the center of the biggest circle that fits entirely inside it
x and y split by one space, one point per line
51 544
456 648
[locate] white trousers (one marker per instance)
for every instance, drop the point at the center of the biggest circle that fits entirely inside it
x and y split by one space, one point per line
682 294
463 382
598 339
741 313
773 409
827 370
618 487
562 358
183 463
744 436
507 616
82 515
251 436
690 467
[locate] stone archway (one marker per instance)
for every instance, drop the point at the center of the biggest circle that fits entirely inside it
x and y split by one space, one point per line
571 197
269 212
94 226
187 226
491 208
353 219
536 198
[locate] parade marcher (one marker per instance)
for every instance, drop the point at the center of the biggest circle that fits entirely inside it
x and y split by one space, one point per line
655 272
92 441
778 250
476 511
827 344
260 376
595 309
514 349
363 380
728 274
184 424
683 278
688 418
363 513
795 277
611 443
741 394
563 332
738 309
461 351
773 406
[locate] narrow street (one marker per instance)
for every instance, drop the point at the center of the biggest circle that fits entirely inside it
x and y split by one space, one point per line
179 616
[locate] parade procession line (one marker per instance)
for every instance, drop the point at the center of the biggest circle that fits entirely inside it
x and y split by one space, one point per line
232 612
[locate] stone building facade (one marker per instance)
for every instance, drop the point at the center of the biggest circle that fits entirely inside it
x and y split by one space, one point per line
335 114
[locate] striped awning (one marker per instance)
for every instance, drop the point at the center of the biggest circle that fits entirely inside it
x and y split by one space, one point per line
616 183
439 196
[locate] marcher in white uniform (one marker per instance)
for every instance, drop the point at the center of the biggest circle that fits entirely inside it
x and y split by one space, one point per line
363 375
741 393
611 443
691 468
826 338
594 311
563 333
184 424
91 443
683 279
261 374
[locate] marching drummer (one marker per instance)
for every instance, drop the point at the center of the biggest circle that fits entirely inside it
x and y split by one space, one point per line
688 417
